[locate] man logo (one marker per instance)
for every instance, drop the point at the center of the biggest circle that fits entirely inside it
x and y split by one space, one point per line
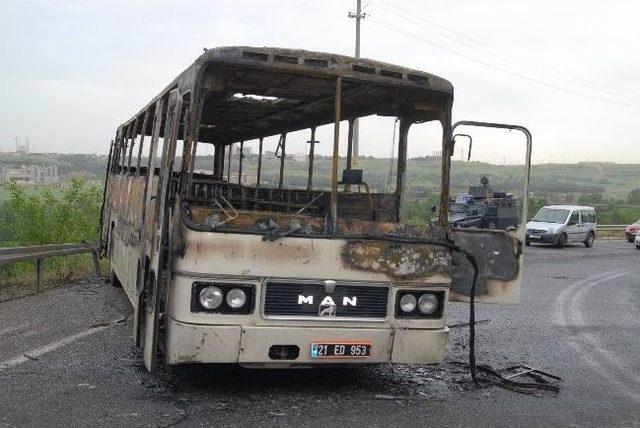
327 307
327 310
305 299
327 301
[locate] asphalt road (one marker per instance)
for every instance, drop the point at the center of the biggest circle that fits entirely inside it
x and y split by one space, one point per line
66 360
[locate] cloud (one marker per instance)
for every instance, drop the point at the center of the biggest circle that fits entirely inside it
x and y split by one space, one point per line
72 70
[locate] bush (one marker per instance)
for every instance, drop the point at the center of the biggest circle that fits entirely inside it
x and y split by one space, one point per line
50 216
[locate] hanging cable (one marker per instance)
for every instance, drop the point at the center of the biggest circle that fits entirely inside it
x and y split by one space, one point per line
503 54
497 67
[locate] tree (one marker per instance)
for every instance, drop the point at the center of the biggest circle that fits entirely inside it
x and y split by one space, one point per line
51 217
591 198
633 198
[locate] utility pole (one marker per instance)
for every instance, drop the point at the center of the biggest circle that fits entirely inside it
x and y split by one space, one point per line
358 16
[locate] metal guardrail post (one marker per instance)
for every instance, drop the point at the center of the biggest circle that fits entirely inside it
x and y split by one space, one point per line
96 263
39 272
41 252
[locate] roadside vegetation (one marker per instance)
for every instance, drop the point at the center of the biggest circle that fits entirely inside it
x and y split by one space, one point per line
49 215
67 214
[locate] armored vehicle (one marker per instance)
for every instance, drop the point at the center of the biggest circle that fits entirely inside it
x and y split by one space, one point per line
483 208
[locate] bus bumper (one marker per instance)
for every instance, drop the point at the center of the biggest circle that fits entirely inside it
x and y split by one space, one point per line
251 345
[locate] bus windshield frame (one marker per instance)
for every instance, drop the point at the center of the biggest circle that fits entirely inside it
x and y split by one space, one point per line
243 95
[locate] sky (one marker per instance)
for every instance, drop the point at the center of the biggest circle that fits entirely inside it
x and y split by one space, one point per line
72 71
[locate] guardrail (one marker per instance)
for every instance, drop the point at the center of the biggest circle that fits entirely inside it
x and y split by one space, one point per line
41 252
612 226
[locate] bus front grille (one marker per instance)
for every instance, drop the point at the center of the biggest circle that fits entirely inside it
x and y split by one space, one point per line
314 299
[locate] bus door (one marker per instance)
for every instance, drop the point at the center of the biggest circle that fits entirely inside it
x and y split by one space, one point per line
498 252
158 273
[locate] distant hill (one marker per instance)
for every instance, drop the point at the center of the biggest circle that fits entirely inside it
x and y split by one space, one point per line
554 181
93 166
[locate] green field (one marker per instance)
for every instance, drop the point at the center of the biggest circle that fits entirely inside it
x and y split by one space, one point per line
70 212
602 183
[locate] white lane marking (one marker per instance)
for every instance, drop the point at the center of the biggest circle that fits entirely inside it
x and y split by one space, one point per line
576 315
565 315
36 353
14 328
564 296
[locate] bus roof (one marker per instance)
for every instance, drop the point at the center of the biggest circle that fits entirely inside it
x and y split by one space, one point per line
252 92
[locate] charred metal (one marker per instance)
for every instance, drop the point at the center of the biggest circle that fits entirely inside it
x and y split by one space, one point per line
166 224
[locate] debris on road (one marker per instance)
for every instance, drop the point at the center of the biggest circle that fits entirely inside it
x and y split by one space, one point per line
385 397
466 324
504 378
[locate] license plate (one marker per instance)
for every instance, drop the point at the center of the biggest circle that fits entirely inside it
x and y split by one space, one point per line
341 349
534 236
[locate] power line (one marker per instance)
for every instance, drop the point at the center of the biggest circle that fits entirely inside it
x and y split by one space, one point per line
497 67
545 69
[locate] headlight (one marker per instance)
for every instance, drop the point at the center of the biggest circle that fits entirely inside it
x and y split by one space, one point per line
210 297
236 298
428 303
408 303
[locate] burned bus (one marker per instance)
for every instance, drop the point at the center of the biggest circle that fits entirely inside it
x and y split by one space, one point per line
222 270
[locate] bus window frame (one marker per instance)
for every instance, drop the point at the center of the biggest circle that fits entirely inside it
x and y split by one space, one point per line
132 143
143 133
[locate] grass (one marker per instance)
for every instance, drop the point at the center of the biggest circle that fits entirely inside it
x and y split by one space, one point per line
56 271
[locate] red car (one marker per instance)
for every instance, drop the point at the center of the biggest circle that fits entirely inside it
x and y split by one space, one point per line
632 230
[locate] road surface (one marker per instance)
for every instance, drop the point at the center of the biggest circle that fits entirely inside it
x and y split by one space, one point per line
66 358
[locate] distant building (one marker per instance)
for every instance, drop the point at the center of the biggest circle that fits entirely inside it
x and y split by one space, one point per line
23 148
30 174
246 150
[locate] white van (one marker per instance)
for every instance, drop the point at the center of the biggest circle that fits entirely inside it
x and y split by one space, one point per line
563 224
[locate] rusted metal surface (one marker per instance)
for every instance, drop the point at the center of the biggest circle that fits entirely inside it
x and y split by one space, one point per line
145 122
336 146
218 162
349 146
527 163
241 158
498 257
445 175
312 144
104 214
167 229
229 162
499 254
161 254
201 218
248 255
259 171
401 164
282 150
398 261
